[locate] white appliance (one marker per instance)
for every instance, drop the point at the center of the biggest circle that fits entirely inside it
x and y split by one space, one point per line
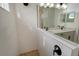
53 45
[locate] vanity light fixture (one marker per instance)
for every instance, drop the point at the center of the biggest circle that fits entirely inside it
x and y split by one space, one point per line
51 5
42 4
61 5
57 5
64 6
45 5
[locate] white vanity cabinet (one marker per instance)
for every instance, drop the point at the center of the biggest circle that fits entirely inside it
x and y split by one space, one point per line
67 35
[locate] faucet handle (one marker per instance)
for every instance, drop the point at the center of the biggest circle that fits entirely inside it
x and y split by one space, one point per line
62 27
58 26
46 28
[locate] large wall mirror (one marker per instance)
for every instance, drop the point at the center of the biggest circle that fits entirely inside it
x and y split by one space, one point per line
52 17
58 20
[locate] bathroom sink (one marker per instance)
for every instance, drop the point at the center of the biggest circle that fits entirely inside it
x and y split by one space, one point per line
55 30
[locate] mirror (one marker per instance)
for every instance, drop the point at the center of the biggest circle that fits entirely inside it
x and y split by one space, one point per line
62 22
70 17
52 17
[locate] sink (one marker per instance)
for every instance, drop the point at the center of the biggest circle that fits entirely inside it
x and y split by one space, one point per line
55 30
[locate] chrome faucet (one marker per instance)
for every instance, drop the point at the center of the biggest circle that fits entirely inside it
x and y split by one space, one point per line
46 28
60 27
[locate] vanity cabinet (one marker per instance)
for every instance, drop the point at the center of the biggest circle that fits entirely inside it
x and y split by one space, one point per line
67 35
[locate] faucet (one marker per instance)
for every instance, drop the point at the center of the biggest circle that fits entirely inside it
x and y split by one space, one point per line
60 27
46 28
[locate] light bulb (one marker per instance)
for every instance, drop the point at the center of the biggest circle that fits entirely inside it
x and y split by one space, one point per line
47 4
41 4
51 5
64 6
58 6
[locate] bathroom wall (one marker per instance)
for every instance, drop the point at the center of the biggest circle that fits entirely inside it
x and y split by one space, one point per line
26 26
8 35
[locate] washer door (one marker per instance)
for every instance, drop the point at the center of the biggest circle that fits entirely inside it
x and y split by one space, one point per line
57 50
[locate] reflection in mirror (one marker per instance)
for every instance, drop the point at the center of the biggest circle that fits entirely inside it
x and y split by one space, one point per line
63 17
67 17
59 21
51 17
70 17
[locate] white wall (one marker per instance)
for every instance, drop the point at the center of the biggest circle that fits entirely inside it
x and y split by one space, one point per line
18 32
8 35
26 26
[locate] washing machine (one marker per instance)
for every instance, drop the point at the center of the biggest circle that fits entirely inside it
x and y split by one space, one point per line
53 47
58 48
61 49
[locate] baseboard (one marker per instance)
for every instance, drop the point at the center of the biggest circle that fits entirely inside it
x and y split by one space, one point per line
30 53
